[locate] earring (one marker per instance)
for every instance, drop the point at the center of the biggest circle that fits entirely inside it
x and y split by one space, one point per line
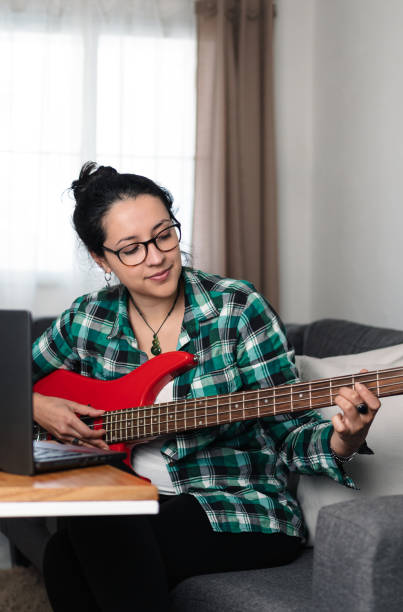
108 277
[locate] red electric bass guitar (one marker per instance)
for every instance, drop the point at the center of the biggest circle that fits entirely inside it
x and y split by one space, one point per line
131 415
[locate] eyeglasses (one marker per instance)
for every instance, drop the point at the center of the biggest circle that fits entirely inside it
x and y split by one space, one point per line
135 253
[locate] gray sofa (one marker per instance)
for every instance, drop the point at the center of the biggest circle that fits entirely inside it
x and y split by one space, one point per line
356 563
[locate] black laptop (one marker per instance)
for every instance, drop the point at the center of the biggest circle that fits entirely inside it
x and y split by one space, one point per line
19 454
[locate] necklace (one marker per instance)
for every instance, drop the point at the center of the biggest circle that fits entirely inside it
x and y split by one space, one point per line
155 346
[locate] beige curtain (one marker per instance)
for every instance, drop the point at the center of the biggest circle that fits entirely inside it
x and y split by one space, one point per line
235 220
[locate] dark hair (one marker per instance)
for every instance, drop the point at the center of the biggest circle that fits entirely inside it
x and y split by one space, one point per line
96 189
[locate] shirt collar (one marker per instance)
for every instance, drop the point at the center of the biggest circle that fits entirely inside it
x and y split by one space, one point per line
200 300
121 324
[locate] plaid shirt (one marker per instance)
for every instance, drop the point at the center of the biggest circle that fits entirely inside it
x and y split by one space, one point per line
238 472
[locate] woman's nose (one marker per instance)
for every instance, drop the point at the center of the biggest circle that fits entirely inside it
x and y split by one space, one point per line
154 255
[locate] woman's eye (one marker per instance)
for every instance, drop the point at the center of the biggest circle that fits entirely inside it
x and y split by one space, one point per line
131 249
165 234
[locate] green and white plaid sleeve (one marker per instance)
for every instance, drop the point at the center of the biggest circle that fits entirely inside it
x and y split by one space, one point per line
304 444
54 349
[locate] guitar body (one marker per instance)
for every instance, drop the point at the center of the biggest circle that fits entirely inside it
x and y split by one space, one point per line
136 389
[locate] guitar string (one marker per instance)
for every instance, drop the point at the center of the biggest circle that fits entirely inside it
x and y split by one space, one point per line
116 427
132 411
262 391
269 391
127 415
247 399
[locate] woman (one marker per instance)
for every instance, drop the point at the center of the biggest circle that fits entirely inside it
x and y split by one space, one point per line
224 498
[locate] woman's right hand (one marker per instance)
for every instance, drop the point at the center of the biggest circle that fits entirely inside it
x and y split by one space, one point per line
59 418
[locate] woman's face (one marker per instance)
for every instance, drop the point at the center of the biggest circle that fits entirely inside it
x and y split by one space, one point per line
137 220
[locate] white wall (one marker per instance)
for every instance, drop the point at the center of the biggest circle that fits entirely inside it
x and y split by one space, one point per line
293 88
341 245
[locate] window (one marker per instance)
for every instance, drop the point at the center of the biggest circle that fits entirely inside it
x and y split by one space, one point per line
74 89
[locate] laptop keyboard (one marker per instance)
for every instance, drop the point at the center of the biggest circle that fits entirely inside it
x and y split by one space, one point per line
50 456
47 454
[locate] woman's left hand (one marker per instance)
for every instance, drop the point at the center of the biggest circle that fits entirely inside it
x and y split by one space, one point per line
351 426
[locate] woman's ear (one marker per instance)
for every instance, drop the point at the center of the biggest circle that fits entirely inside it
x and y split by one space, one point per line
101 261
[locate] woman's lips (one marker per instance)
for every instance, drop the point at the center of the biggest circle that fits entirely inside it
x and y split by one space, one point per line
161 276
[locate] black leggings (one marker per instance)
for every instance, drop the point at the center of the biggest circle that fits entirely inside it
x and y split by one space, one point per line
120 563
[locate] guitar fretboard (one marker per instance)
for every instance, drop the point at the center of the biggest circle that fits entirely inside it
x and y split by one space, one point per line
170 417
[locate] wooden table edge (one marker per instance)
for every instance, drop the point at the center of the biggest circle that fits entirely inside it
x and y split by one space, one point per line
100 483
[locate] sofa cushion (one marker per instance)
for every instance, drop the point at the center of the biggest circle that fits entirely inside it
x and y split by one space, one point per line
375 475
295 337
39 326
277 589
329 337
366 542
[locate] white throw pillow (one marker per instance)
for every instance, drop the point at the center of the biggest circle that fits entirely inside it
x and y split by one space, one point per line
379 474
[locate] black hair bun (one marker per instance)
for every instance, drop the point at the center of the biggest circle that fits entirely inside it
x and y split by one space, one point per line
89 174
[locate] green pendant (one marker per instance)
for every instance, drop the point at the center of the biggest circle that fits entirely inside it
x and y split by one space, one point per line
155 347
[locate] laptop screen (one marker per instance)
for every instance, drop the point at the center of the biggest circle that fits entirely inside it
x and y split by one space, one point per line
16 392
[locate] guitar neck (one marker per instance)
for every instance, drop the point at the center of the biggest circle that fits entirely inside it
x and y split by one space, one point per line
177 416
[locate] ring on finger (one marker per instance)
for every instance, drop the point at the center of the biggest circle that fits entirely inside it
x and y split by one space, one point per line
362 408
75 441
